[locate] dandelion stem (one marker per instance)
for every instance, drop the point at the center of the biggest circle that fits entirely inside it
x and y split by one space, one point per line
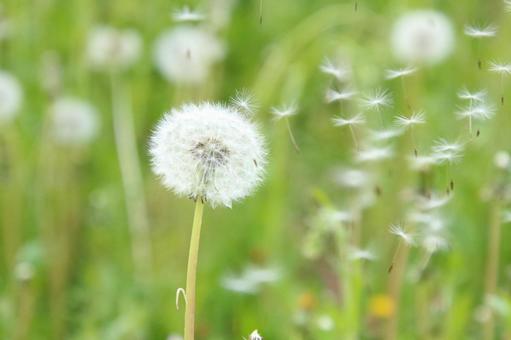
492 263
354 136
191 273
131 174
470 125
291 136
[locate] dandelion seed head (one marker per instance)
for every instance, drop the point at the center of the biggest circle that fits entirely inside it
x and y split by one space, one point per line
423 36
108 47
377 100
417 118
358 119
208 151
185 14
401 233
73 121
400 73
480 31
284 111
186 54
11 96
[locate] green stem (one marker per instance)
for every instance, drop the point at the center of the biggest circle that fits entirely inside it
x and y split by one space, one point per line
191 273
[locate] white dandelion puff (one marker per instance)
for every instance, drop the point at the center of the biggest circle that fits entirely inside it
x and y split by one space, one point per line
374 154
245 102
185 55
340 71
357 119
343 95
400 232
284 111
445 151
500 68
480 31
73 121
417 118
351 178
502 159
208 151
474 97
377 100
11 96
186 14
400 73
423 36
108 47
480 111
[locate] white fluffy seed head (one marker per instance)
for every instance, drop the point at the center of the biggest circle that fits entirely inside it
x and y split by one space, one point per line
108 47
11 96
208 151
423 36
73 121
185 55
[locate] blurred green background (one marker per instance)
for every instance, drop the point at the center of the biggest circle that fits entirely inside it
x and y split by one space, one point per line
67 269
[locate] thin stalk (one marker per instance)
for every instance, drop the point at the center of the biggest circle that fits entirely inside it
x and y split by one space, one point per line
291 136
131 174
191 272
395 285
492 264
354 136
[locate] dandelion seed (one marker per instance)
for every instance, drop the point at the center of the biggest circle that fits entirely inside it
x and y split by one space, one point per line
208 151
422 37
386 134
358 119
361 254
480 111
374 154
378 100
416 118
186 54
332 217
445 151
284 111
244 102
255 336
434 242
433 202
11 96
108 47
480 31
473 97
340 71
185 14
73 121
401 233
400 73
343 95
423 162
499 68
351 178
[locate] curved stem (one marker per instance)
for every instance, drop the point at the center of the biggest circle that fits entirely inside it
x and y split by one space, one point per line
191 273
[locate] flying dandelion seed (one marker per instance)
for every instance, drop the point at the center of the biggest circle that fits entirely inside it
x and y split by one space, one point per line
284 112
424 36
244 101
502 70
400 73
417 118
405 238
340 71
343 95
255 334
350 123
374 154
185 14
385 134
473 97
480 31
